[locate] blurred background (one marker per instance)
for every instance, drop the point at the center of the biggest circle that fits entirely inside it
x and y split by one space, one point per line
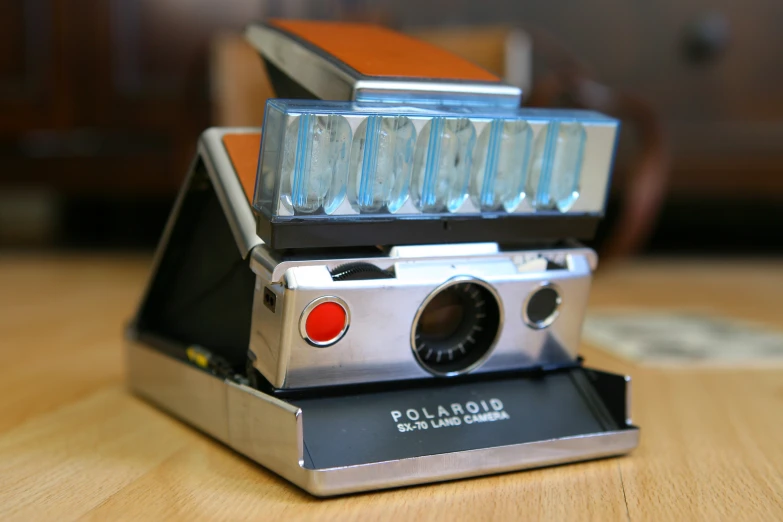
102 101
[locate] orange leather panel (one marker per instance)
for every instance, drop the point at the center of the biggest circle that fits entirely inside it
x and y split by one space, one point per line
376 51
244 150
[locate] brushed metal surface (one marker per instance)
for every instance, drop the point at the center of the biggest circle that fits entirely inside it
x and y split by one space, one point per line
269 431
377 346
327 80
265 429
464 464
273 265
194 396
225 181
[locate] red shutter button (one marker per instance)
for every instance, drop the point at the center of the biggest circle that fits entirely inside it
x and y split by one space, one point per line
324 321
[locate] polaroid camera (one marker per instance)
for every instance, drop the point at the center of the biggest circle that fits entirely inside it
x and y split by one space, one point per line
382 286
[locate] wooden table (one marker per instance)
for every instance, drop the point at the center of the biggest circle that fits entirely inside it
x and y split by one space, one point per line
75 445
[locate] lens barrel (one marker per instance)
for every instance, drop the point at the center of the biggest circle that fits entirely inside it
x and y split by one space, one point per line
456 327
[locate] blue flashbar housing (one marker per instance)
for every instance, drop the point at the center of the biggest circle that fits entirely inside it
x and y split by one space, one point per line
345 166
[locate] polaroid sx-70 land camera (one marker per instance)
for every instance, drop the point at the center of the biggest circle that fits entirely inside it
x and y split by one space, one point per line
382 286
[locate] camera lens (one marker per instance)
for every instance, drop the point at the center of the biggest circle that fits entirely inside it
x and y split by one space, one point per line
456 327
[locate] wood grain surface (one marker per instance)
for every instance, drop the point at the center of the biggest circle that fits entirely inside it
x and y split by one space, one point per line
74 445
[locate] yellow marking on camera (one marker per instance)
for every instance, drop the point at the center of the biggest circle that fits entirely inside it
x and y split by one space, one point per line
197 356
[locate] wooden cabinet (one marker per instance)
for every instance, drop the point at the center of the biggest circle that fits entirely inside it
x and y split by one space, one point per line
723 110
105 97
28 72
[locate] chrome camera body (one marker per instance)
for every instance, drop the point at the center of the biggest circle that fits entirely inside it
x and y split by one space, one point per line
418 312
383 286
